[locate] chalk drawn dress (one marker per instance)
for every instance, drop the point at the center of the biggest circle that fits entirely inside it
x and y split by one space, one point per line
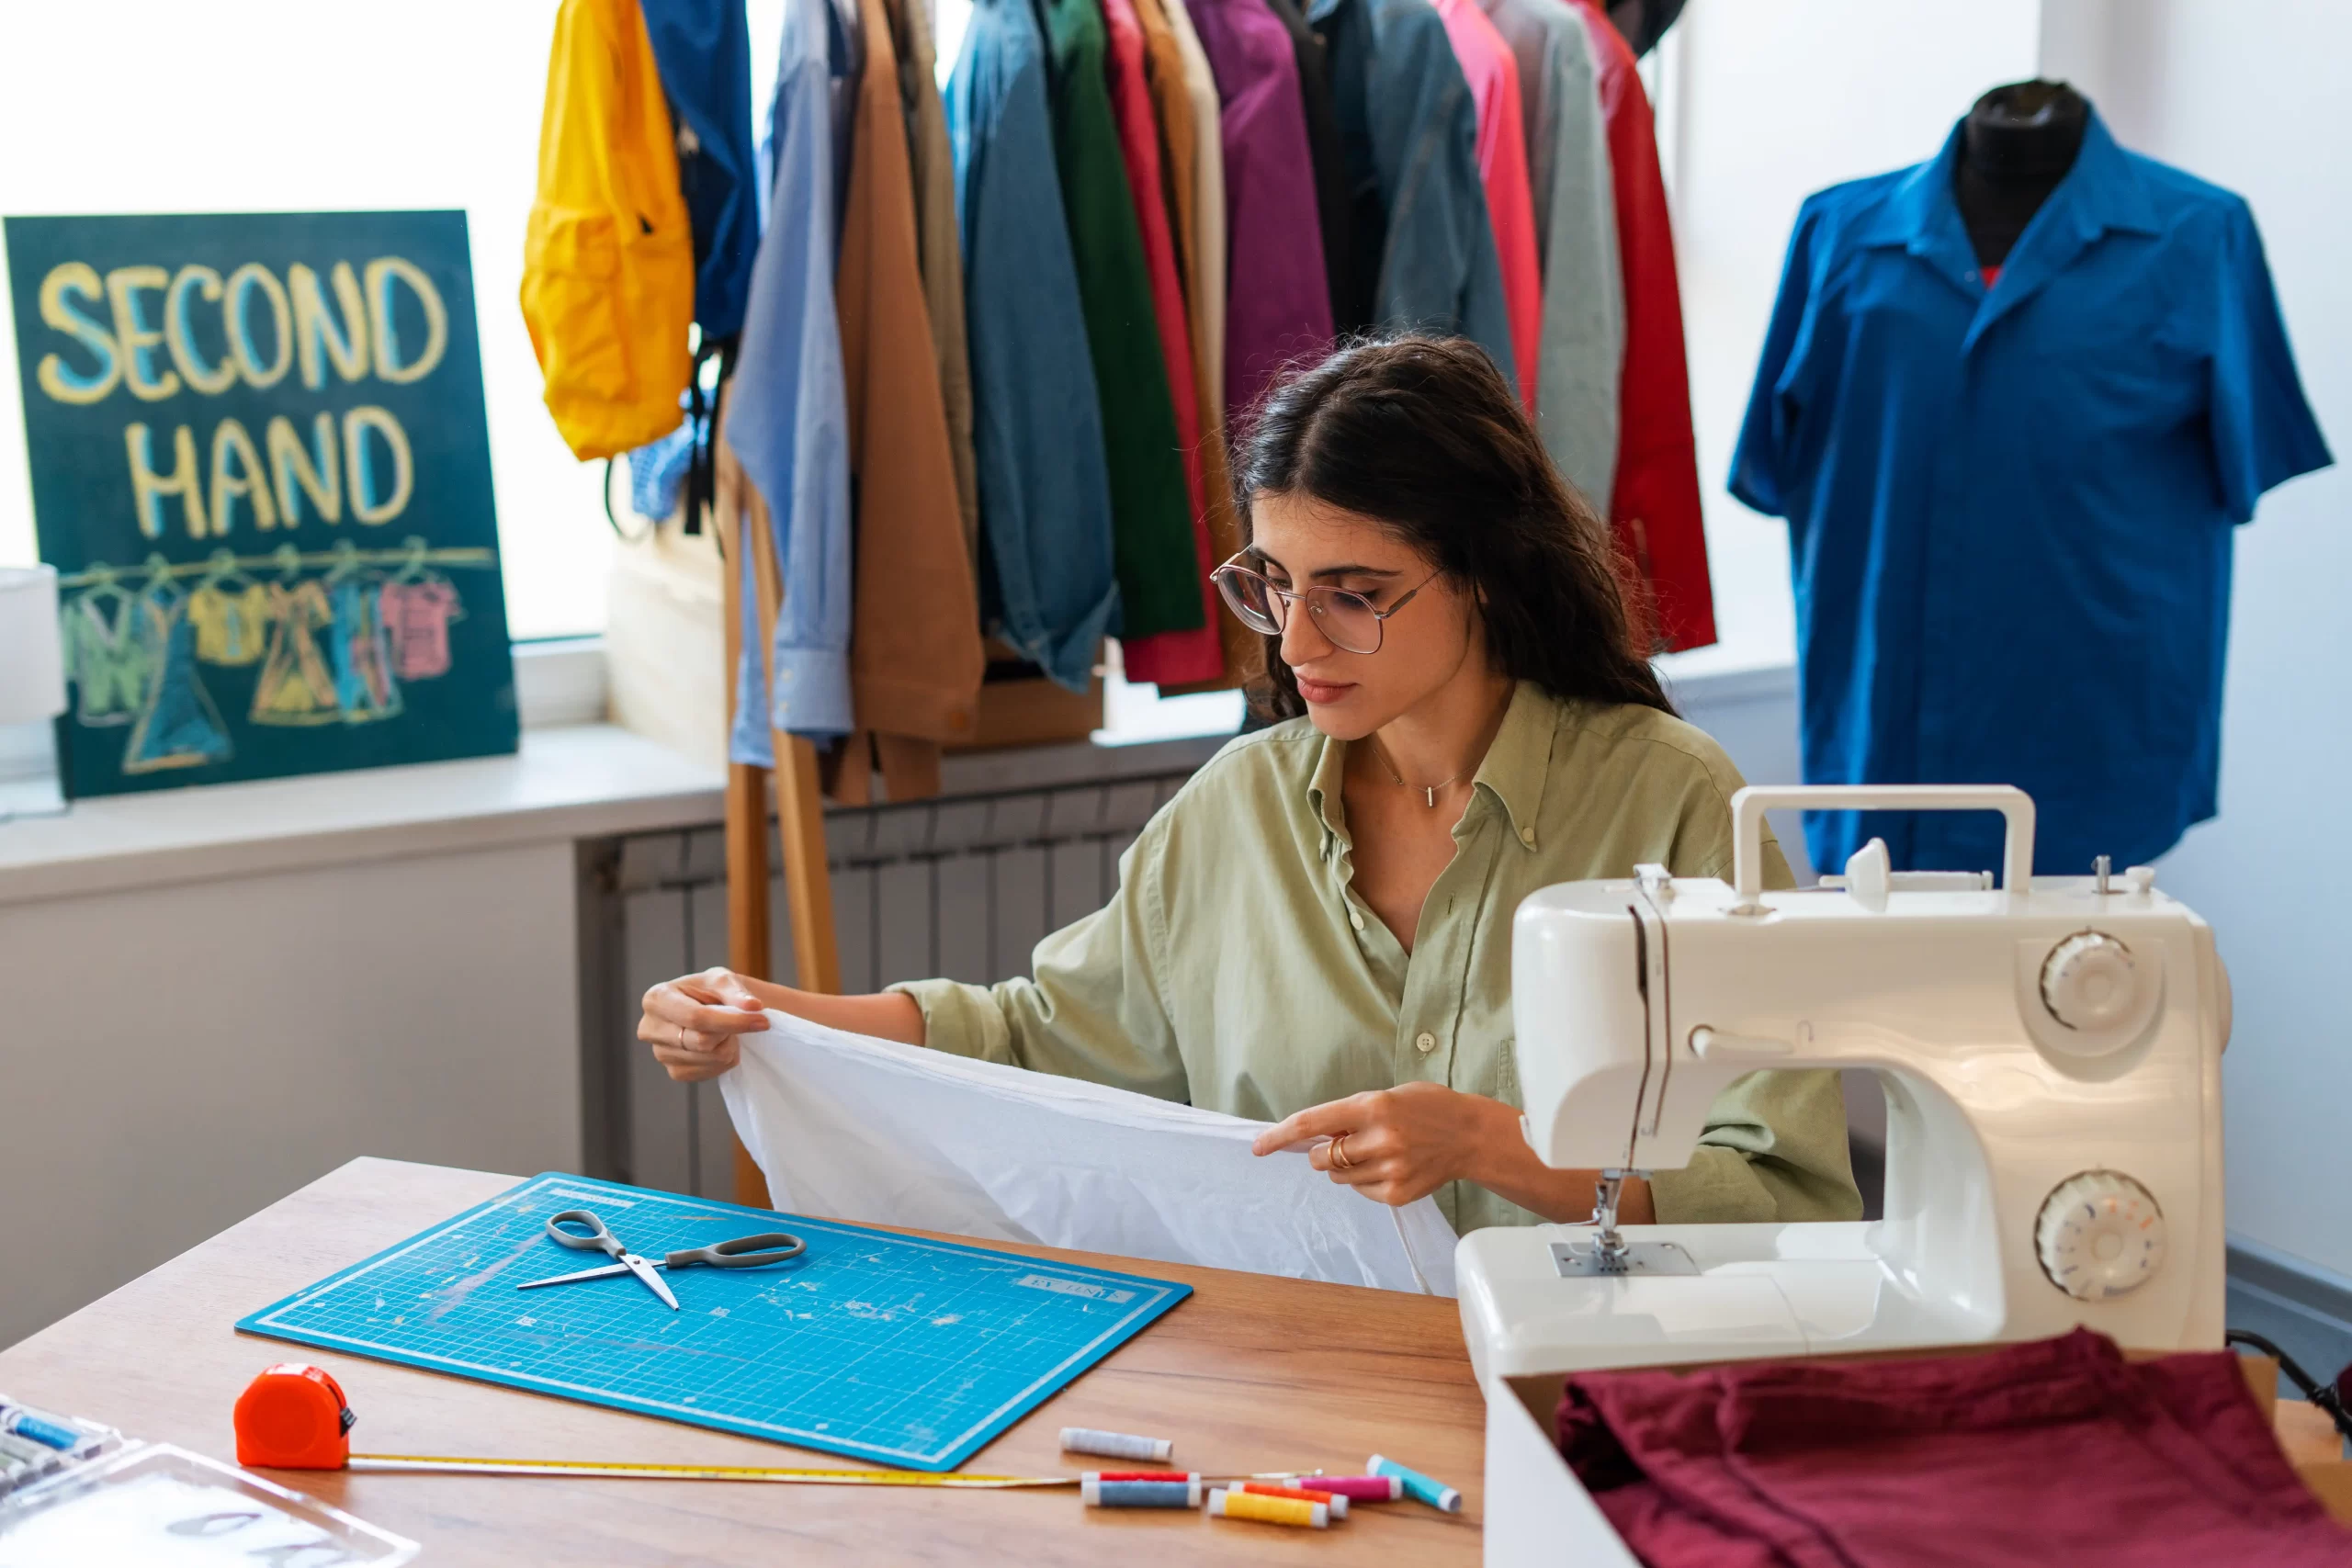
177 725
295 687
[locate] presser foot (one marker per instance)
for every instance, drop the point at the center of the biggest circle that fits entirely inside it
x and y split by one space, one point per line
1593 1259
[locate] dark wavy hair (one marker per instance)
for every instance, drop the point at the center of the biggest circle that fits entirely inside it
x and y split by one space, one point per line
1423 435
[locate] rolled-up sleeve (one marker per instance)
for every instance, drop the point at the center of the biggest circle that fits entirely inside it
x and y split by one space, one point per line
1775 1148
1095 1009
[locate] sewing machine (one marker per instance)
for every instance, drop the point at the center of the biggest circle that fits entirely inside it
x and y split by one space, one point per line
2050 1053
2052 1058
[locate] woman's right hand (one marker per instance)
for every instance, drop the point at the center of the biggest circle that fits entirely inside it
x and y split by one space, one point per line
695 1023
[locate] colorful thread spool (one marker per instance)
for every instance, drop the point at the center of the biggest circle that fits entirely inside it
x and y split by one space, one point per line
1117 1445
1139 1475
1335 1501
1361 1488
1418 1487
25 1423
1141 1493
1270 1510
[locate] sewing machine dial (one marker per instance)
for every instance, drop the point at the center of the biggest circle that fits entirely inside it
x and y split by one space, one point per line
2089 982
2100 1234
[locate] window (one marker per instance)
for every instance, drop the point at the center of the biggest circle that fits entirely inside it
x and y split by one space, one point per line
260 105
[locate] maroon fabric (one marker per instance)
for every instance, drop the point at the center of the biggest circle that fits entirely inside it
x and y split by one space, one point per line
2058 1451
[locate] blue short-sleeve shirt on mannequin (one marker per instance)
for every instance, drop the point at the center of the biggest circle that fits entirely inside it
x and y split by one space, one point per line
2010 507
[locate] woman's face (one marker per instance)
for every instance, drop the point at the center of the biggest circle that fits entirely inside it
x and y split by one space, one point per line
1298 542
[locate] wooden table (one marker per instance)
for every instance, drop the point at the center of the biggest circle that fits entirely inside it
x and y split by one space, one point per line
1248 1374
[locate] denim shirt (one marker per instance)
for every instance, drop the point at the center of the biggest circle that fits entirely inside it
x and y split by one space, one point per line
788 418
1046 567
1411 132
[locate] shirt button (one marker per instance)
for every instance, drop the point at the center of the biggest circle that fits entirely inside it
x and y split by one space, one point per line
1355 919
1425 1042
1527 837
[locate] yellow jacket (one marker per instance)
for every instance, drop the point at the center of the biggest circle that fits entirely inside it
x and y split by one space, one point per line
608 264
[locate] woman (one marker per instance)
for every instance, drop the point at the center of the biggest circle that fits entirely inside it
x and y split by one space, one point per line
1317 930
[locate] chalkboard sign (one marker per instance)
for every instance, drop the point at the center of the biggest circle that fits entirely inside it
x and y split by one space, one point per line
261 466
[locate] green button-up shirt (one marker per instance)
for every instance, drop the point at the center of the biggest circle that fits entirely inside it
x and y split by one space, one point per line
1238 969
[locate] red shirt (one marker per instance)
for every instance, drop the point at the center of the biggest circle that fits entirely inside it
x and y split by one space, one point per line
1655 508
1167 658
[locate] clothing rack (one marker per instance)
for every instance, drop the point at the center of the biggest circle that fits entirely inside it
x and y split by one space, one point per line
283 558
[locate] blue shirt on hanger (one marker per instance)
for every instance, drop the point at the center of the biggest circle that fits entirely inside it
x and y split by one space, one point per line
2009 509
1046 568
1409 126
788 417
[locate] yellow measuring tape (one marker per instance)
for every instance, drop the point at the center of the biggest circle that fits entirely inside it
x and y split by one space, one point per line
450 1464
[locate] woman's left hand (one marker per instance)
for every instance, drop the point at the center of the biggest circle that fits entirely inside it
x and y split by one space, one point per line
1402 1144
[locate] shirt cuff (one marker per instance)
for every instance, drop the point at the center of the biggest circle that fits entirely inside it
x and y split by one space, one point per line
1718 1187
961 1020
811 694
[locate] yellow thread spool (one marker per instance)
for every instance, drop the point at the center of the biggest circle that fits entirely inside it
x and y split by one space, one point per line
1270 1510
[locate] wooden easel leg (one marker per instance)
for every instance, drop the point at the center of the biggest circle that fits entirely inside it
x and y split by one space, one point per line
800 814
748 943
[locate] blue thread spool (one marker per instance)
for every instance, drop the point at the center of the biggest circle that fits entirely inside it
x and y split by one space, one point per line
1141 1493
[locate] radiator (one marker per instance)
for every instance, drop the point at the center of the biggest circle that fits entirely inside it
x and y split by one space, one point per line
963 887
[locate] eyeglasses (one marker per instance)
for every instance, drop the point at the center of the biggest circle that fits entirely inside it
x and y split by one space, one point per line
1352 621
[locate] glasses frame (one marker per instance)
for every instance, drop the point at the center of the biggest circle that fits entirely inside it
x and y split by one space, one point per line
1227 576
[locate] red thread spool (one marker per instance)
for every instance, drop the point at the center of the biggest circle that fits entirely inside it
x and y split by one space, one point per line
293 1417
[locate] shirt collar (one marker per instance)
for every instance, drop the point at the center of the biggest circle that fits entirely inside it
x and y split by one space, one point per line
1517 765
2102 191
1520 760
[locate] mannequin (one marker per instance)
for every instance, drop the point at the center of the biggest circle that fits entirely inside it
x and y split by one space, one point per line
2020 139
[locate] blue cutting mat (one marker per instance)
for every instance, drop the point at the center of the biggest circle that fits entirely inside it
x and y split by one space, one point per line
904 1352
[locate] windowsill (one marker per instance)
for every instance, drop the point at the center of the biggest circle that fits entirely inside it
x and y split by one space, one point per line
581 780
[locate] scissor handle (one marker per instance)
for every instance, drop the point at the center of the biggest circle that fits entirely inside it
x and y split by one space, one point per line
743 1252
598 1238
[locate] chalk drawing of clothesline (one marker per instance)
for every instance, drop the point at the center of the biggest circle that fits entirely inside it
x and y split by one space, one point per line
140 666
287 558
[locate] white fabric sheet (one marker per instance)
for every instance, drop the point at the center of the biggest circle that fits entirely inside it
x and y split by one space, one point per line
862 1129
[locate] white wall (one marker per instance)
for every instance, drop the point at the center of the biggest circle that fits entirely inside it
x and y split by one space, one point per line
1768 101
2250 94
174 1058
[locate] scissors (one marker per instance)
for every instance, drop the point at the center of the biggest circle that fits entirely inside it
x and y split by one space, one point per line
743 1252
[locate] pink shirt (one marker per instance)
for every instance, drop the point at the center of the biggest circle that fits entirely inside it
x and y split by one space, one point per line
1167 658
1488 61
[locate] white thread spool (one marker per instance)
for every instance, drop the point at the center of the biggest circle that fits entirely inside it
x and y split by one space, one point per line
1117 1445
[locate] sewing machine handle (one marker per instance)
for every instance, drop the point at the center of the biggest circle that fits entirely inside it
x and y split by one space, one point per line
1747 808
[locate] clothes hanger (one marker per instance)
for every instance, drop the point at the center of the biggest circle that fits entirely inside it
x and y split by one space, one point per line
221 570
346 561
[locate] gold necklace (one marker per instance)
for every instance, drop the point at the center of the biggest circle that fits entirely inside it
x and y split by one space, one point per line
1429 792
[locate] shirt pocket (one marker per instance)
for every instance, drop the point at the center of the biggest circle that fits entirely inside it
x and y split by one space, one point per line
572 300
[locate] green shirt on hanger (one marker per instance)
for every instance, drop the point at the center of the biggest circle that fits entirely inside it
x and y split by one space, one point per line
1236 969
1151 513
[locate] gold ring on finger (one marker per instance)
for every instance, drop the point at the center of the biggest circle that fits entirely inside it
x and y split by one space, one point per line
1340 1160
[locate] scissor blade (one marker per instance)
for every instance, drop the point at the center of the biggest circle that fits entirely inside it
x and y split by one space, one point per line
644 1271
598 1273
